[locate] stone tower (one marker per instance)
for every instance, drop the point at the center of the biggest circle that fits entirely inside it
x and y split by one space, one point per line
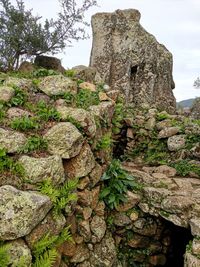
130 59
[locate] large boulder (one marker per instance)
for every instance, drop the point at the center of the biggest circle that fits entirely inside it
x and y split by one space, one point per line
130 59
64 139
52 63
20 211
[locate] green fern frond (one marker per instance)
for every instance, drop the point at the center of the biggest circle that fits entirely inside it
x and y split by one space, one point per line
47 259
4 256
22 262
46 242
65 235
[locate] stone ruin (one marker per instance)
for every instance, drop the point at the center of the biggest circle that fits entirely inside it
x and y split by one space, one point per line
130 59
158 225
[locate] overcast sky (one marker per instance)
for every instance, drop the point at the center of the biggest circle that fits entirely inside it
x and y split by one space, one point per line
175 23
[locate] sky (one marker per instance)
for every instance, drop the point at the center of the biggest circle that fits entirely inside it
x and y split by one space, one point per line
174 23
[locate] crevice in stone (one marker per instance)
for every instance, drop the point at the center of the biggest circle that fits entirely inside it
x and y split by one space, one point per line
180 237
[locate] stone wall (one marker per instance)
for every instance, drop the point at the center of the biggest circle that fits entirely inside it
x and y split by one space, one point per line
55 129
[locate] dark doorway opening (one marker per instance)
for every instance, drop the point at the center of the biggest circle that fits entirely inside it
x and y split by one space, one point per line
180 237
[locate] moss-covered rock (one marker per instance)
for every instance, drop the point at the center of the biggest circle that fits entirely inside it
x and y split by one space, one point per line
20 211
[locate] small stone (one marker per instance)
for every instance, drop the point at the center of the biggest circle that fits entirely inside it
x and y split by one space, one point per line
158 260
163 124
98 227
89 86
169 171
138 241
150 124
132 200
121 219
83 183
18 113
195 226
100 208
80 165
87 212
68 248
95 197
191 260
84 230
176 142
81 254
84 197
6 93
196 247
95 174
134 216
11 141
64 140
167 132
103 96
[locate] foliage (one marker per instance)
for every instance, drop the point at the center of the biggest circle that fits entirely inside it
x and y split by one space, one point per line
24 123
197 83
22 35
46 112
85 98
42 72
162 116
184 167
4 256
116 183
75 123
2 112
19 98
69 73
192 139
8 164
117 120
105 142
44 250
34 143
60 196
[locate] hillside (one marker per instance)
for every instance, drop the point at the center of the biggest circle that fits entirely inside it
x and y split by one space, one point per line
186 103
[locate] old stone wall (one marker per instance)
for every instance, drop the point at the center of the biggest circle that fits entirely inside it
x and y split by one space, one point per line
131 60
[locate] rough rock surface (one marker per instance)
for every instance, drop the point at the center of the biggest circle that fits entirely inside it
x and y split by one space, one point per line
176 142
52 63
20 211
82 164
11 141
83 117
40 169
130 59
57 85
19 253
64 139
6 93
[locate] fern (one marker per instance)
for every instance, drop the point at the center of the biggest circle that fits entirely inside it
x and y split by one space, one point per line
46 242
44 251
60 196
47 259
4 256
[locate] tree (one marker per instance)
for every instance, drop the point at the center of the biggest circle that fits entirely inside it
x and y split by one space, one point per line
197 83
23 35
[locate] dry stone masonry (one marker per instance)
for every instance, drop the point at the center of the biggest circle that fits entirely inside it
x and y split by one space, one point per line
60 136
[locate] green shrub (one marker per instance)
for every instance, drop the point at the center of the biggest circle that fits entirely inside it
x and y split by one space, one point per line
24 124
34 143
184 167
162 116
85 98
8 164
69 73
105 142
116 183
42 72
191 140
19 99
4 256
44 251
60 196
46 112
